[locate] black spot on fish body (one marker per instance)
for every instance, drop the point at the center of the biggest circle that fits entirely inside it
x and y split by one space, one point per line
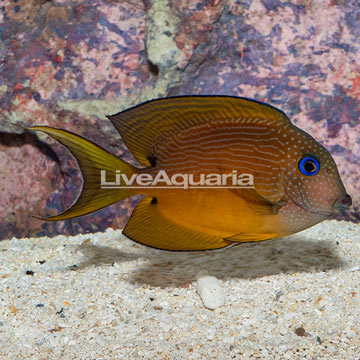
153 160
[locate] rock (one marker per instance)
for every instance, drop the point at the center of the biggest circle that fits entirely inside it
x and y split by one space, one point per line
67 64
210 290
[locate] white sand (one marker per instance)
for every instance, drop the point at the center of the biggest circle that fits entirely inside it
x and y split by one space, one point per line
126 301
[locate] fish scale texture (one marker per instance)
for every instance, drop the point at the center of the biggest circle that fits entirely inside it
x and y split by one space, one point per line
68 63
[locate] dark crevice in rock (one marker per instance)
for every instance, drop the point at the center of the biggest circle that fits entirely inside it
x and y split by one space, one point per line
27 138
153 68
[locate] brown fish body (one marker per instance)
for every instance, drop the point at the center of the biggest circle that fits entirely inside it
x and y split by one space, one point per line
206 150
260 149
295 180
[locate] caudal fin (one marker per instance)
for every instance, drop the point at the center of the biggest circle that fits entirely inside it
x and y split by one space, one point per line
91 159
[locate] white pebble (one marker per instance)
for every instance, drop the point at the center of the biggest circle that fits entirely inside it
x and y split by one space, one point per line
356 268
210 290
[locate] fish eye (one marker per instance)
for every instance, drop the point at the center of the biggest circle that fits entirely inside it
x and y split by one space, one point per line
309 166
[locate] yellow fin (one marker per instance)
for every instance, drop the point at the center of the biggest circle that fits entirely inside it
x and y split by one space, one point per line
150 227
144 125
91 159
259 204
244 237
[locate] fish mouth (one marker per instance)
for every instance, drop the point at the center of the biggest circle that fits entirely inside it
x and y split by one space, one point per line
340 206
343 203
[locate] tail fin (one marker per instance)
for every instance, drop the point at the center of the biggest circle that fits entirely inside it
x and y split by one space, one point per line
91 159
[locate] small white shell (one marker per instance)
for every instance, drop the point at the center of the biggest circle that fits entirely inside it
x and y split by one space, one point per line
210 290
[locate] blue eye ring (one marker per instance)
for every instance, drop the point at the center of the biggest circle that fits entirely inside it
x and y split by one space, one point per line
309 166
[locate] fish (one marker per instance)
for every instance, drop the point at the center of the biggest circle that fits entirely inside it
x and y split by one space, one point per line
228 170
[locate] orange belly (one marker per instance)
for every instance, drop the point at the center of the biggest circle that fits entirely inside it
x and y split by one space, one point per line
215 212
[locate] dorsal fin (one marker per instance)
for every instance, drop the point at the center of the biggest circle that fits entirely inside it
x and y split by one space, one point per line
146 124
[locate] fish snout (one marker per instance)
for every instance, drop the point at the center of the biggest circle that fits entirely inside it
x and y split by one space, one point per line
343 202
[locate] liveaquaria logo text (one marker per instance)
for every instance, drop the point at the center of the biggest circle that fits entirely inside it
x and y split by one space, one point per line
161 180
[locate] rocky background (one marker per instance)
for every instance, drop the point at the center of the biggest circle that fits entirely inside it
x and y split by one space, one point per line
68 63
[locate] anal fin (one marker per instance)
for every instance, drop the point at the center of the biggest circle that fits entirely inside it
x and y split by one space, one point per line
150 227
247 237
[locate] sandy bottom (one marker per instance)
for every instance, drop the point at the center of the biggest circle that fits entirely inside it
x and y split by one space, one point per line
101 296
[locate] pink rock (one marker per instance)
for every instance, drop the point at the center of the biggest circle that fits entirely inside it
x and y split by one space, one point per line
68 63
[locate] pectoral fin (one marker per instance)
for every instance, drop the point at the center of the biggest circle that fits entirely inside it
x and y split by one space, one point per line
259 204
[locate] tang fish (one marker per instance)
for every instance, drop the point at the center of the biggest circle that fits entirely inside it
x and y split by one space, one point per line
232 170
